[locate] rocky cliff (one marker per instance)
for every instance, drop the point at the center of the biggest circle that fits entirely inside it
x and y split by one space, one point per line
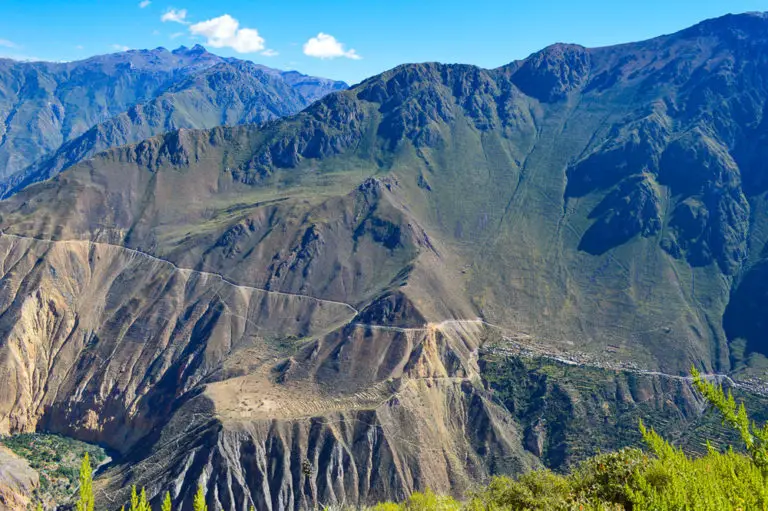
300 314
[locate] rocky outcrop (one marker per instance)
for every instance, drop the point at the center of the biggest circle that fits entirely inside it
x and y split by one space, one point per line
551 74
294 314
17 481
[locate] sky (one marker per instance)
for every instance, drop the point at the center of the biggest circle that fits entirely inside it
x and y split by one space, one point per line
345 40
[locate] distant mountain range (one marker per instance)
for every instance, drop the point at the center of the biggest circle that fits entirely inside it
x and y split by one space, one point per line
53 115
440 274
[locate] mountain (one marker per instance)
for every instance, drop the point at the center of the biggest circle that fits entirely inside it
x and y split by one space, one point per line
54 115
312 311
310 87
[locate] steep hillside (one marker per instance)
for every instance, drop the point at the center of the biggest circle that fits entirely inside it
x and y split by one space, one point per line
299 314
55 115
18 481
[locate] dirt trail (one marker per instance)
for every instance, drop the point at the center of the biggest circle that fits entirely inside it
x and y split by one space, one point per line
315 404
183 270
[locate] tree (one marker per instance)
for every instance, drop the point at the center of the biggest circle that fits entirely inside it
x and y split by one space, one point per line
134 499
86 502
198 504
755 438
143 503
167 502
139 500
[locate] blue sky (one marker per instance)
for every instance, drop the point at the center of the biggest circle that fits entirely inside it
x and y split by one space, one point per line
347 40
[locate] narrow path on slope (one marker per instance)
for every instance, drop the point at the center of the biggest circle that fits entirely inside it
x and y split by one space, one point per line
430 326
180 269
528 351
531 351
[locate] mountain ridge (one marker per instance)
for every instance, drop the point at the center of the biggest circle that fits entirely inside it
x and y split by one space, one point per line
616 213
149 77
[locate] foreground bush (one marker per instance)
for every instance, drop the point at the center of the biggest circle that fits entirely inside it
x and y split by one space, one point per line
664 478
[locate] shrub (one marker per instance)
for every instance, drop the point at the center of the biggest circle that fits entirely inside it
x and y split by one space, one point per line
426 501
663 479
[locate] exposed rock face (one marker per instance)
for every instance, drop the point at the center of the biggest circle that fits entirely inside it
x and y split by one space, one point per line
294 314
554 72
17 481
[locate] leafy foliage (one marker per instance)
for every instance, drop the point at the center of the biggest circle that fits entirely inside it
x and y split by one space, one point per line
422 502
665 478
139 500
755 438
578 412
86 501
198 504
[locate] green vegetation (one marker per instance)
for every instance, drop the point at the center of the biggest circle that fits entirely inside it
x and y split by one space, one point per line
571 412
199 503
584 200
86 501
663 479
755 439
139 501
57 459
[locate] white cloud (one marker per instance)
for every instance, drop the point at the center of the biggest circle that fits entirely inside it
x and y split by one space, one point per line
177 35
7 43
79 47
325 46
177 16
120 47
225 32
155 32
270 53
144 3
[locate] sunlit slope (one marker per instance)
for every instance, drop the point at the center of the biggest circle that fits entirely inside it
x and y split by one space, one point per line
318 290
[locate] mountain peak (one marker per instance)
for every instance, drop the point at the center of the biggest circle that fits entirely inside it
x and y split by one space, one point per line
197 49
750 25
550 74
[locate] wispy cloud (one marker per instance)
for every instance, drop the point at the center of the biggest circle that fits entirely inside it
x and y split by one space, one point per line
176 35
225 32
79 47
120 47
176 16
144 3
8 44
270 53
325 46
